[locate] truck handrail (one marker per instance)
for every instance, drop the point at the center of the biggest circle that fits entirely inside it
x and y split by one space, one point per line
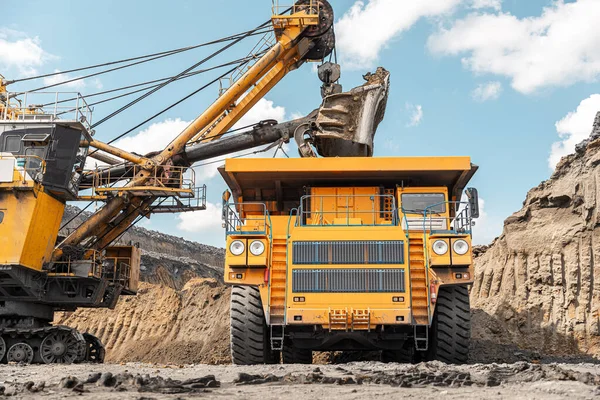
318 217
234 223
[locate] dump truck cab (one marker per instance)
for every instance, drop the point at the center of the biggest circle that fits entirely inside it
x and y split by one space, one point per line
347 254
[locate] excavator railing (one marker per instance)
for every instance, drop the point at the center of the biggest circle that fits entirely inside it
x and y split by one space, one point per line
164 181
90 266
116 270
175 204
48 106
284 13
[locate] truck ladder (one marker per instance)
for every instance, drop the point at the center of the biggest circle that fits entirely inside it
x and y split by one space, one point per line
418 282
278 281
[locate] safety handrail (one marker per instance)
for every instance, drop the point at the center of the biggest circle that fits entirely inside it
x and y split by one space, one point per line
235 218
49 106
318 218
461 222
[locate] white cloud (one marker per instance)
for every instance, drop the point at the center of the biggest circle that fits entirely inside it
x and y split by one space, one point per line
495 4
264 109
364 30
158 135
573 128
416 114
487 91
205 221
21 52
78 85
558 48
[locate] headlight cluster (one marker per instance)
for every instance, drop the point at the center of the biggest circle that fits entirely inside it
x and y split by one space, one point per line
237 247
460 247
440 247
257 247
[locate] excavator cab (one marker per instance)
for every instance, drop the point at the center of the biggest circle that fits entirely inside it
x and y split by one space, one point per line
47 146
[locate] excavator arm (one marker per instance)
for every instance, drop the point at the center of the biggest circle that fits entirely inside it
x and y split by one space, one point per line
301 35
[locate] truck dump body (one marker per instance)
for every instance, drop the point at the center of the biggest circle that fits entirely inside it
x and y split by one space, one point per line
245 175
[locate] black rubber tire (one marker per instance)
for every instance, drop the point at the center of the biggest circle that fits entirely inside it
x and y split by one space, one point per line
250 342
451 329
294 355
406 355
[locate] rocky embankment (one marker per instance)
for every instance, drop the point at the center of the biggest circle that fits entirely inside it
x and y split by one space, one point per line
537 286
162 325
166 259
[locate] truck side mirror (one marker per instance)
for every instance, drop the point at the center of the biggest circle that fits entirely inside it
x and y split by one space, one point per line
226 197
473 197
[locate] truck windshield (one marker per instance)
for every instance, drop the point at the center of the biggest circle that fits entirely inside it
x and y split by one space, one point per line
418 202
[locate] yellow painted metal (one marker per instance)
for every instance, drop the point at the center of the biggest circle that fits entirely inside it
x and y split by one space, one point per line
318 305
274 76
29 227
134 158
346 206
344 165
457 259
302 15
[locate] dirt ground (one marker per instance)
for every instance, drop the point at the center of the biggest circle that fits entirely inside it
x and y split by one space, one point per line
354 380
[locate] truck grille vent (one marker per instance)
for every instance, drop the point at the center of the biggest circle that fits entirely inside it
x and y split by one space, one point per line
351 280
348 252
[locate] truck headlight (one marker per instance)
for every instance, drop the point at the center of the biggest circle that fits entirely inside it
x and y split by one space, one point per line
257 247
460 247
236 247
440 247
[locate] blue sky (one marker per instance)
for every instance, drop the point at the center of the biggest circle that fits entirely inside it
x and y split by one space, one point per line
495 80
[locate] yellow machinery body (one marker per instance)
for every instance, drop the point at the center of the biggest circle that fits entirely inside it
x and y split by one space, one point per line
29 228
342 250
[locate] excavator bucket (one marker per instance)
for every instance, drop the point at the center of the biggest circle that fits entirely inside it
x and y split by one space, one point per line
346 122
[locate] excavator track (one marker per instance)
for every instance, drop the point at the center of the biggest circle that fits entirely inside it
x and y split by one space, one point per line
49 345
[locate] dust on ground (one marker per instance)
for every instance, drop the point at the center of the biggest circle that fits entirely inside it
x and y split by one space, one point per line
353 380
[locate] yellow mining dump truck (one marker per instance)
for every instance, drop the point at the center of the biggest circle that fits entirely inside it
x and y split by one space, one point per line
349 254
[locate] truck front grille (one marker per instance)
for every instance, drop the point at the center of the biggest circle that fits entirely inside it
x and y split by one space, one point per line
348 280
348 252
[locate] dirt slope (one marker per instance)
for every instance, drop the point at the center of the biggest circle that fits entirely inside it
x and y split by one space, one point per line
163 325
538 284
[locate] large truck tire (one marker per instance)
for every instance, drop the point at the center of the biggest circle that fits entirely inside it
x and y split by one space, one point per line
451 328
294 355
250 342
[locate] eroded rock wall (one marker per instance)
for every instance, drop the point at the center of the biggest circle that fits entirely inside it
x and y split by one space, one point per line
538 284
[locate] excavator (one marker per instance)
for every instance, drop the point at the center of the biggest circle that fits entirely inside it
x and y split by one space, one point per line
43 152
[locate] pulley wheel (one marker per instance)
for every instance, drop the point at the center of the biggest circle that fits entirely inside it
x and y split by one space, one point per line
322 46
20 352
59 347
2 348
325 17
